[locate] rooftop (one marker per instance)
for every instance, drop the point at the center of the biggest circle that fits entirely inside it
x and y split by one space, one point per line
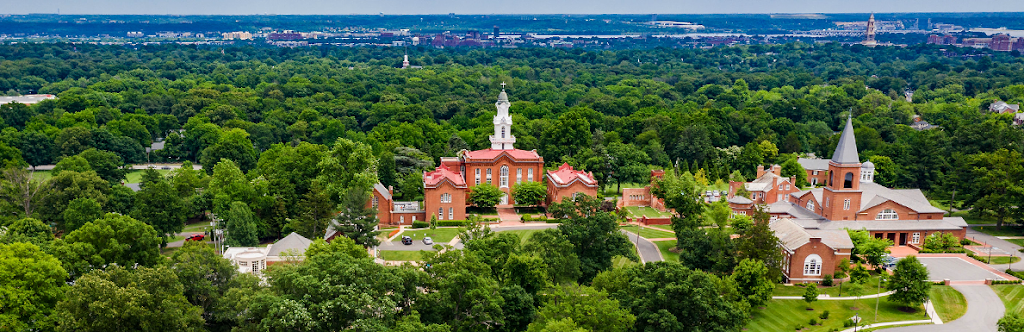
565 175
492 154
442 173
26 99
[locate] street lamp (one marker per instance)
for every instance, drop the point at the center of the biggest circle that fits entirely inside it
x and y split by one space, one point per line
856 321
877 297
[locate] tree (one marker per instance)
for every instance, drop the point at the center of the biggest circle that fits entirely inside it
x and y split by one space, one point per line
159 205
586 308
759 243
708 250
460 292
315 213
80 211
670 297
347 165
36 148
32 283
241 226
792 168
113 239
485 195
557 253
18 188
1011 322
529 193
357 220
123 298
106 164
999 189
872 250
68 186
628 163
569 134
387 170
594 235
29 230
685 196
753 282
811 293
909 283
74 163
205 277
234 145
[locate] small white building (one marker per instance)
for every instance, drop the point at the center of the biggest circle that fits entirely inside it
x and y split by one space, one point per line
255 259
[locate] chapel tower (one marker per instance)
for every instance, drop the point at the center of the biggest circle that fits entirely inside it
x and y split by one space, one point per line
841 197
502 138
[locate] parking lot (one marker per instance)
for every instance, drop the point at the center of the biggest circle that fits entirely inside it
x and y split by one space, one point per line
956 269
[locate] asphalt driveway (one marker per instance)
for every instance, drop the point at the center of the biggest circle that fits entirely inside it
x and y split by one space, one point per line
955 269
984 308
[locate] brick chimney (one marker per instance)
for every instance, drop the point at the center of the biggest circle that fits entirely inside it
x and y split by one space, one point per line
777 169
760 170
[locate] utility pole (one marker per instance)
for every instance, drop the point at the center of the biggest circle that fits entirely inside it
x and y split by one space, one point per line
879 291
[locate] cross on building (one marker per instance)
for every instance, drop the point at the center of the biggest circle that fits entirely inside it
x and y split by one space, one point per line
503 85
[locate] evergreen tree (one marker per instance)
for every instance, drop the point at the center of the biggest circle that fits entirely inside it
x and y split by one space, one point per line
241 226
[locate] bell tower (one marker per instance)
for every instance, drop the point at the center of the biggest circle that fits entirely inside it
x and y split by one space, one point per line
842 191
502 138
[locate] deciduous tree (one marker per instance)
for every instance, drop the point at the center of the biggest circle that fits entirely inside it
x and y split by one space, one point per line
909 283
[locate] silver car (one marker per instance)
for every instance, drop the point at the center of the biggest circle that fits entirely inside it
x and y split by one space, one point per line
428 241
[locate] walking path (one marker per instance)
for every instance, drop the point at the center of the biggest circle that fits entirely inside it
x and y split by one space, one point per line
507 214
984 308
1010 248
648 250
826 297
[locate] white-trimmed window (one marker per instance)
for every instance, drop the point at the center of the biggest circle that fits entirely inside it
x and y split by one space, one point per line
846 204
451 213
413 218
477 176
812 265
828 201
529 175
401 219
887 214
504 177
446 198
440 213
489 176
375 202
787 186
814 173
782 186
519 175
915 238
810 205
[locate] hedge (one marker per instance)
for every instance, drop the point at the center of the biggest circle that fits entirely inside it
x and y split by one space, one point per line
420 224
459 223
1005 282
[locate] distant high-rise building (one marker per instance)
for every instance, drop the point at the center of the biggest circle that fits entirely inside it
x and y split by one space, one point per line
497 32
869 39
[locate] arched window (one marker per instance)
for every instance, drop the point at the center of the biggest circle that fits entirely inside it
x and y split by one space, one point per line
812 265
848 183
502 132
810 205
504 177
887 214
489 176
440 213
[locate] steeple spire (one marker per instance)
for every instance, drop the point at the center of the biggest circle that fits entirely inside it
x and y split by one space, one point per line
502 138
846 150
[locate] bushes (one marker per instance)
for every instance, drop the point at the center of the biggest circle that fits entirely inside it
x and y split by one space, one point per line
824 315
527 217
420 224
942 243
813 322
1019 275
1005 282
457 223
827 280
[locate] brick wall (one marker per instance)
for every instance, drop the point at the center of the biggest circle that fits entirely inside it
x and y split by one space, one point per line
432 201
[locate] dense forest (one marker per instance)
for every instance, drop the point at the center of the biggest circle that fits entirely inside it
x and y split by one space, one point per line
289 137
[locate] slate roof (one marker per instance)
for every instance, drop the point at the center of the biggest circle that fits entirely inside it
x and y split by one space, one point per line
947 223
491 154
875 194
846 150
739 200
813 164
293 244
793 235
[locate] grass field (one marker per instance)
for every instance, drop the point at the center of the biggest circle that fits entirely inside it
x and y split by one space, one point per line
869 287
41 175
665 227
785 315
664 247
620 262
637 212
524 234
1012 296
999 259
440 235
201 226
135 176
1001 231
399 255
949 303
1019 242
650 233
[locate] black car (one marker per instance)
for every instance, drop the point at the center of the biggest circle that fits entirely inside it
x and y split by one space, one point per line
407 240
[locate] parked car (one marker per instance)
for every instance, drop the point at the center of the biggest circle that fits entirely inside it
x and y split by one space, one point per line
196 237
428 241
407 240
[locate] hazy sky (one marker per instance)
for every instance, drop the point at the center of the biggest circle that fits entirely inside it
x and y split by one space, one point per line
228 7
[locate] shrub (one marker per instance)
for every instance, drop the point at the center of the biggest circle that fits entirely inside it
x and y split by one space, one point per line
827 280
553 221
824 315
813 322
525 217
420 224
457 223
1005 282
1019 275
849 323
798 327
966 242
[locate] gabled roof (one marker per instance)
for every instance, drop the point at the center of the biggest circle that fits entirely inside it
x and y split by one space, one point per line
378 187
813 164
566 175
846 150
440 174
293 244
492 154
793 235
739 200
875 194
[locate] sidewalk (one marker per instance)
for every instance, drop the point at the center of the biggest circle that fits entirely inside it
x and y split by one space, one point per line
825 297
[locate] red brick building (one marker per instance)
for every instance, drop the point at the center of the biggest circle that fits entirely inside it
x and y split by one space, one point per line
568 182
810 254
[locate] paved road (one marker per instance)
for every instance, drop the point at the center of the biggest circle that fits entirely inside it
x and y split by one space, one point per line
984 308
955 269
648 250
1004 245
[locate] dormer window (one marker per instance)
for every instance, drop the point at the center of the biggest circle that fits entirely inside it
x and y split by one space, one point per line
810 205
887 214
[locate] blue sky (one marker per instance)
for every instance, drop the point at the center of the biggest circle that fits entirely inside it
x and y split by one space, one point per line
340 7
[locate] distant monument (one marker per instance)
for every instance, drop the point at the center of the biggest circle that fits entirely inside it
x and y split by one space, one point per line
869 40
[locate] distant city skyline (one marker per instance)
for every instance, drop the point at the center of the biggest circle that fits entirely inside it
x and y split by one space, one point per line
467 7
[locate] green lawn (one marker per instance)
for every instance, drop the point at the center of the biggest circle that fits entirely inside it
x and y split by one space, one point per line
949 303
135 176
1012 296
998 259
440 235
869 287
664 247
620 262
665 227
1019 242
524 234
1001 231
41 175
198 227
973 219
399 255
785 315
637 212
650 233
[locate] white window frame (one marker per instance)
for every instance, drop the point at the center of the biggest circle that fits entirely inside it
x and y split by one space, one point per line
451 213
446 198
846 204
529 175
401 219
887 214
440 213
810 205
477 176
915 238
519 175
375 202
814 173
489 176
812 265
503 179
